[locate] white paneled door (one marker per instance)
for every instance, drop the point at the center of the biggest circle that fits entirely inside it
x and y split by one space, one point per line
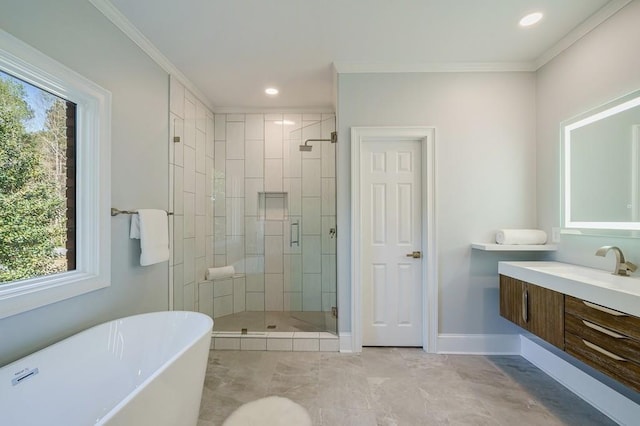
391 243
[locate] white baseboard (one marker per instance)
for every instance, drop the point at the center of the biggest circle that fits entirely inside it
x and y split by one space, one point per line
478 344
345 343
611 403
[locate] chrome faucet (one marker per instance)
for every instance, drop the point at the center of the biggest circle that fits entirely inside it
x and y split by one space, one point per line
623 267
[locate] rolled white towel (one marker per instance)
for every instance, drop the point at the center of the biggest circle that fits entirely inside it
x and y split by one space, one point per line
221 272
521 236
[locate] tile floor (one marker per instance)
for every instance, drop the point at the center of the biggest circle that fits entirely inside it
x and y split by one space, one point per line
394 386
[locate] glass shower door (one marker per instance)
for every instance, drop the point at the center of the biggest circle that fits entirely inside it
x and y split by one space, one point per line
310 255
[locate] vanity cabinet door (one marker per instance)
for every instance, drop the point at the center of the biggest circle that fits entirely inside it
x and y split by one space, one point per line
512 300
546 314
536 309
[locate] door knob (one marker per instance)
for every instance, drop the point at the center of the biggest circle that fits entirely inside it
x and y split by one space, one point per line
415 255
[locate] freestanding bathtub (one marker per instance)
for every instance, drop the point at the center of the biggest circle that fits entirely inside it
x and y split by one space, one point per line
142 370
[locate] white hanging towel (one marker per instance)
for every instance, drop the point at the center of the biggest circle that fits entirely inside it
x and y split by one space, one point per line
152 228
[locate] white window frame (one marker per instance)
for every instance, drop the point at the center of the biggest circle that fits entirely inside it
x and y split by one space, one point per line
93 179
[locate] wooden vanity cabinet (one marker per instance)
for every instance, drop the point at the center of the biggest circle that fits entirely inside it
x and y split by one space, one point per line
536 309
601 337
605 339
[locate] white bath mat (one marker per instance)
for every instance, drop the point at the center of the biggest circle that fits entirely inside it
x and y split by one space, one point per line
269 411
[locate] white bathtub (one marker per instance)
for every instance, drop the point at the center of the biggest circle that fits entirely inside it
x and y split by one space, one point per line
141 370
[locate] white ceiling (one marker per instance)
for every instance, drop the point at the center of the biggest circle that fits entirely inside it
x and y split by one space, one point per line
232 49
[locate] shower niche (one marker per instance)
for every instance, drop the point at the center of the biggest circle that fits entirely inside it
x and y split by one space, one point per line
273 206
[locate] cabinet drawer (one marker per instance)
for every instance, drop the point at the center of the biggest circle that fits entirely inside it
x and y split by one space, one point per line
626 372
611 319
612 341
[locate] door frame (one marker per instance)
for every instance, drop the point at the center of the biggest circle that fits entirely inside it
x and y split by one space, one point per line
426 135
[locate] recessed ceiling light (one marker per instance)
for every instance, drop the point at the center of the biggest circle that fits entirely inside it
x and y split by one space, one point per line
272 91
531 19
285 122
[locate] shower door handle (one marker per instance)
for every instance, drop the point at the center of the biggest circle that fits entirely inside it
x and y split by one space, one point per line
295 240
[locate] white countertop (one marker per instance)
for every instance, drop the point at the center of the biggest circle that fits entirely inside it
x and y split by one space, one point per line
593 285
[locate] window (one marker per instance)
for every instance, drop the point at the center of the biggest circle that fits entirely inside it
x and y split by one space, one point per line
37 181
54 180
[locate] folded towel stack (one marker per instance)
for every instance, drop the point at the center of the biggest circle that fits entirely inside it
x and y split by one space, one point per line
221 272
152 228
521 236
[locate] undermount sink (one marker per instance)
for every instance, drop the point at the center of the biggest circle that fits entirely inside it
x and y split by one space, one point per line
595 285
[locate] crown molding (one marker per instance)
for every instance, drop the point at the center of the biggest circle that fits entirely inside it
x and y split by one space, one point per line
580 31
572 37
381 67
120 21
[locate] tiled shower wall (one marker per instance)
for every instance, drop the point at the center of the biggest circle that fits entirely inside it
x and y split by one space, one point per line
191 169
257 155
216 179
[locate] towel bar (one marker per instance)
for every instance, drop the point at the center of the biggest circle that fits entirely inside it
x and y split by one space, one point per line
116 212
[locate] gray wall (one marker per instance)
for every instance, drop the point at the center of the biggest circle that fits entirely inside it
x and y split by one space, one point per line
76 34
600 67
485 176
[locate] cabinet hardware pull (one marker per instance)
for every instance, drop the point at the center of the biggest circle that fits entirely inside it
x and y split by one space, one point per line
525 306
604 330
603 309
603 351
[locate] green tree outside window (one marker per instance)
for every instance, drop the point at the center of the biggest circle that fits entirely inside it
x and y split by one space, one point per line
32 186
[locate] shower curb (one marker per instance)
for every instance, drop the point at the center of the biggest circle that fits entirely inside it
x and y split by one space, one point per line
295 341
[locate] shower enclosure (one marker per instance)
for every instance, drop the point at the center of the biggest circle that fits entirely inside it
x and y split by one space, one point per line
274 219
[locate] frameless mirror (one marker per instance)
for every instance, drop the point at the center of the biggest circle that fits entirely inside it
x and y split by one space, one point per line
601 167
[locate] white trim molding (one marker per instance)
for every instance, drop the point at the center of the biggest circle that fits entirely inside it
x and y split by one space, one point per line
426 135
93 183
580 31
344 67
608 10
346 342
120 21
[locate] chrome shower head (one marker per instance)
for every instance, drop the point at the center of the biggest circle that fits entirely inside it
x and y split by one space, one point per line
305 147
